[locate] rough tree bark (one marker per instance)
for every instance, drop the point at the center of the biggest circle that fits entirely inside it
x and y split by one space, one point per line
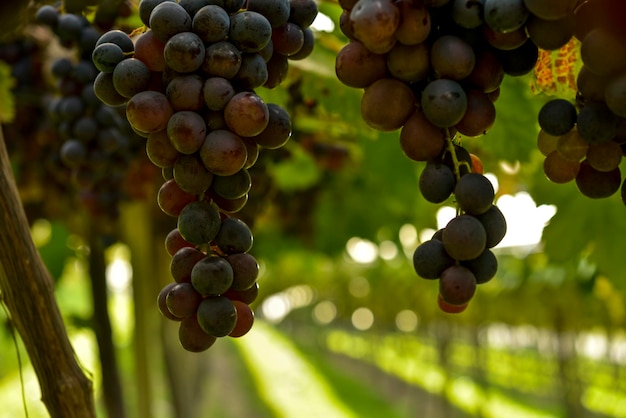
27 289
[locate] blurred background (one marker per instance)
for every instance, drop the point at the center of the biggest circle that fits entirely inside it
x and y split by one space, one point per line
344 327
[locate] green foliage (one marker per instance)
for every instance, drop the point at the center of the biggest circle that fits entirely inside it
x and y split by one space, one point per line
7 102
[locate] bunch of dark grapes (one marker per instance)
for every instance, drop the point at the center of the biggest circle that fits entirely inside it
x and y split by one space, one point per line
96 142
433 69
188 80
583 139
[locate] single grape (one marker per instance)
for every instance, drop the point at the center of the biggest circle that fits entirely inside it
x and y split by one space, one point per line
505 15
415 23
192 337
106 56
223 152
494 222
217 316
444 102
357 66
184 52
245 271
148 111
182 263
246 114
420 140
131 76
452 46
182 300
174 242
387 103
199 222
468 13
249 31
436 182
169 18
484 267
276 11
234 186
464 237
217 92
162 305
185 92
278 129
596 123
245 319
212 276
457 285
430 259
474 193
222 59
172 199
186 130
211 23
191 175
234 236
557 117
597 184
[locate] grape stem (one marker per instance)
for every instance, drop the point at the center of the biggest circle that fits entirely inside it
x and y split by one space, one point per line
455 161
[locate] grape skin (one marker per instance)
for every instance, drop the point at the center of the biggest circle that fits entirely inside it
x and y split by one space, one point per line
464 237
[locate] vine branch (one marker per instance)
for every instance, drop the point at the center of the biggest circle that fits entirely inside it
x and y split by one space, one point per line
28 292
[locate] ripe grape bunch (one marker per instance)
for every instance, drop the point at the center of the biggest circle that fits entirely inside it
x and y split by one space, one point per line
96 141
583 139
433 69
188 81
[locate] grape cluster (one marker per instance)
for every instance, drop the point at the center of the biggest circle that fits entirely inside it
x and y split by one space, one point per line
583 140
188 80
97 143
433 69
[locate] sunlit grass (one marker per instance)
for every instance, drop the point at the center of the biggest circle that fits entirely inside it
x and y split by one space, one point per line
11 385
290 386
415 365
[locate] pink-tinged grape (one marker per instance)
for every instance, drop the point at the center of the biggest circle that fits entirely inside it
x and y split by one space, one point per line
149 50
162 305
457 285
192 337
223 152
172 199
182 300
186 130
245 271
191 175
245 319
387 103
160 150
182 262
246 114
149 111
174 242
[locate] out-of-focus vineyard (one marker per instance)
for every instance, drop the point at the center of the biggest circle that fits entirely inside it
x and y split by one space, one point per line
343 325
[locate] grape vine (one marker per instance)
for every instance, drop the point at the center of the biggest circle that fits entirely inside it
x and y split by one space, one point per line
433 69
188 81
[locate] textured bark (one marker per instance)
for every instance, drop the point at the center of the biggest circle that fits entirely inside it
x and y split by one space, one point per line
27 289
